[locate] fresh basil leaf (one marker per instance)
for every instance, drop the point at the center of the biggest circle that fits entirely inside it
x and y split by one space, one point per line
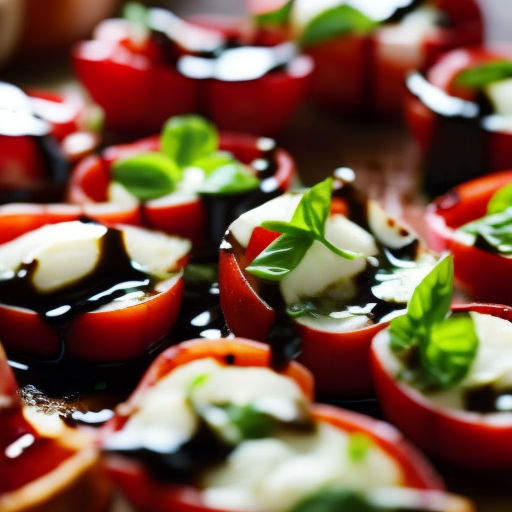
233 178
451 349
250 421
484 74
429 304
278 17
359 445
334 500
280 257
500 201
188 138
314 207
334 22
213 161
147 175
494 229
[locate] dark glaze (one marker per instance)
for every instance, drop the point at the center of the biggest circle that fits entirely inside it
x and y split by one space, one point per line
283 336
222 209
40 455
486 399
458 149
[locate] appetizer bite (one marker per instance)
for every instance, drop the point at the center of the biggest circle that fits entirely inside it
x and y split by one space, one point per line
460 113
451 373
41 135
212 427
472 221
172 66
362 50
81 290
190 180
317 277
45 466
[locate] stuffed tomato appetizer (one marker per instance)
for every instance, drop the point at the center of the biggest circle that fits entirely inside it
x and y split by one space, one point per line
212 427
85 291
362 50
472 221
460 113
190 180
317 277
45 465
450 370
41 135
212 66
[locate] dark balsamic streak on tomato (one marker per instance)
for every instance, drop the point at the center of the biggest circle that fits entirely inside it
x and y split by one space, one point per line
487 399
458 149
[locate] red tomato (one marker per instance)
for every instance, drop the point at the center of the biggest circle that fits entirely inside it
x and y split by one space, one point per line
480 273
422 121
115 73
356 74
148 494
57 472
467 439
90 180
117 333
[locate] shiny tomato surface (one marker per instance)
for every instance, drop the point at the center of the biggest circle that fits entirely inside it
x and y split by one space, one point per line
482 274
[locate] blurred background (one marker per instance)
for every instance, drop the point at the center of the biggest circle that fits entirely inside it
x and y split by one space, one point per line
38 32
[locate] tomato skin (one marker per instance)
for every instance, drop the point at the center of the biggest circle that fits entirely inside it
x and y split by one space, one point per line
90 179
480 273
422 121
464 439
146 494
115 72
99 336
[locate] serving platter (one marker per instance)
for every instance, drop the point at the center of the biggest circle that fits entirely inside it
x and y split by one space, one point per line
388 168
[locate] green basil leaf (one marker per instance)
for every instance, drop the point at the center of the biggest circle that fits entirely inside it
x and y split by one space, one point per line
188 138
450 351
314 207
484 74
147 175
250 421
359 445
135 12
494 229
233 178
280 257
500 201
334 500
275 18
334 22
213 161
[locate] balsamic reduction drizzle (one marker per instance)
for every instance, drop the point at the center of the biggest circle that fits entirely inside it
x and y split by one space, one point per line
487 399
458 150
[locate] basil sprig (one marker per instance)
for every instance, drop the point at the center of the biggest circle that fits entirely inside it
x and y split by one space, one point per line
185 141
438 348
332 499
278 17
307 225
495 228
334 22
484 74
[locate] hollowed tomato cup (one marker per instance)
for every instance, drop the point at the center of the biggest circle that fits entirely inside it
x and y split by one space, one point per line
480 273
339 361
188 218
489 148
139 88
146 493
466 439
